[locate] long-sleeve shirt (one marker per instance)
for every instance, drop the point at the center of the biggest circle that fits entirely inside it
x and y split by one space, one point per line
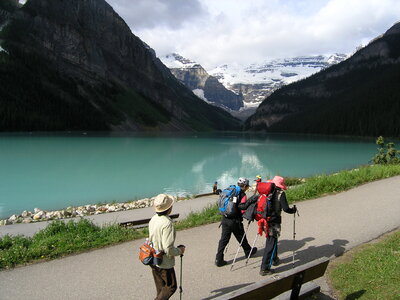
280 203
162 235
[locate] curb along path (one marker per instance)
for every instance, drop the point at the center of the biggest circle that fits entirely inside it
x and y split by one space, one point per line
327 227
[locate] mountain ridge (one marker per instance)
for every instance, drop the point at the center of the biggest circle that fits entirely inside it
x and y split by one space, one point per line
81 68
358 96
252 82
205 86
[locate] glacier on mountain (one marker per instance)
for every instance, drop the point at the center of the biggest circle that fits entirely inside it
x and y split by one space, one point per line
256 81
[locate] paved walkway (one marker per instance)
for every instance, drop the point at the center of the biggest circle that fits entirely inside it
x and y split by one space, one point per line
327 227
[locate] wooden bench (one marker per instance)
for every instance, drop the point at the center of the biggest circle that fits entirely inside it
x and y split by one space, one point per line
280 283
204 195
143 222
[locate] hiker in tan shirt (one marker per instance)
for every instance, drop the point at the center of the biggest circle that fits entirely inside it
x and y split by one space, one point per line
162 235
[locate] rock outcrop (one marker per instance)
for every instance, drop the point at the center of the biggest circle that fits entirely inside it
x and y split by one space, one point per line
196 78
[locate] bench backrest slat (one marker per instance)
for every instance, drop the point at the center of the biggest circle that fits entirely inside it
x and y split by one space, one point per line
144 221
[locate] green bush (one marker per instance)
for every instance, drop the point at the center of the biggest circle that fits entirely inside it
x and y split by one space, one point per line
387 154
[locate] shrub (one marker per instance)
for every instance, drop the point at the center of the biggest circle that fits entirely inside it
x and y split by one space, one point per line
387 154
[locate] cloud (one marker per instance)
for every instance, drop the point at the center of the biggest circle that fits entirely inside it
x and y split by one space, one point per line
213 32
153 14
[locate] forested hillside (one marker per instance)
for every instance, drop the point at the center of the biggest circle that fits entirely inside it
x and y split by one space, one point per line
360 96
75 65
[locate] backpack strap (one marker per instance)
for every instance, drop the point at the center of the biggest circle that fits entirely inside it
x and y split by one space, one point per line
237 189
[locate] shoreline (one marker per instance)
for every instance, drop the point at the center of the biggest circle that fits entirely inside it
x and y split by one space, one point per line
382 171
39 215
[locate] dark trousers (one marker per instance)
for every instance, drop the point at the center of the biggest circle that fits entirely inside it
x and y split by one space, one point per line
230 226
270 252
165 281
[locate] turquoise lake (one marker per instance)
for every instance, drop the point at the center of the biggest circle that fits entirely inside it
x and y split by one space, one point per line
56 171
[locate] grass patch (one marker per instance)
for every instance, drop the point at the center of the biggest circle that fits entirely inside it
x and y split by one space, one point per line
318 186
207 216
60 239
373 271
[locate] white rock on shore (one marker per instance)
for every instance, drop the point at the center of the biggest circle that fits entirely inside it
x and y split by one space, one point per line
39 215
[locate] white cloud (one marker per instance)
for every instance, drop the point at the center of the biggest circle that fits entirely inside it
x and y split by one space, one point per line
213 32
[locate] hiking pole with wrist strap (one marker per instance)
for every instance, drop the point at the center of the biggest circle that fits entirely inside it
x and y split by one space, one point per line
294 231
180 275
240 245
180 280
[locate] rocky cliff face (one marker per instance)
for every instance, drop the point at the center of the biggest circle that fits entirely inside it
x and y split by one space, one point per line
84 53
359 96
7 7
196 78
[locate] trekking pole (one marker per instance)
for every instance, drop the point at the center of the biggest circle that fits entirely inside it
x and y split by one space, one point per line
254 243
240 245
294 231
180 280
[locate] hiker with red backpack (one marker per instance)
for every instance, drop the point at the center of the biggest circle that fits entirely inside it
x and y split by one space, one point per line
230 207
269 222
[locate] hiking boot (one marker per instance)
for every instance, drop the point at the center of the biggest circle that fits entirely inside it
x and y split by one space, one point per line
266 272
221 263
276 261
253 251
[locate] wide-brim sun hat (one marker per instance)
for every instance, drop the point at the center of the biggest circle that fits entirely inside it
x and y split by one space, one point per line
279 182
163 202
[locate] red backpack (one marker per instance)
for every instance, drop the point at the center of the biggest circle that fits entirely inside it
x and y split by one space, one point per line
264 203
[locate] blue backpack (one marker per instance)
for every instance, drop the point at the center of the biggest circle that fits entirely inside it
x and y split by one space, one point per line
226 202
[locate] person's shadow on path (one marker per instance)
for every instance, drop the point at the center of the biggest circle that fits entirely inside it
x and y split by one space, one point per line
301 257
309 254
283 246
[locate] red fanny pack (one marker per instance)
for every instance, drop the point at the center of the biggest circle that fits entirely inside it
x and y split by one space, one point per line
150 256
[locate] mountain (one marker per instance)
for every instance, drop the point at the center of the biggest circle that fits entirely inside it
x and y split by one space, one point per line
207 87
75 65
258 80
7 7
359 96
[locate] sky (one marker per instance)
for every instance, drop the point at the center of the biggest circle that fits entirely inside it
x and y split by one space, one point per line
215 32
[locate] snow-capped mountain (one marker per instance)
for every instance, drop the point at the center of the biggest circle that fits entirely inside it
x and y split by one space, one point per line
176 61
205 86
258 80
250 84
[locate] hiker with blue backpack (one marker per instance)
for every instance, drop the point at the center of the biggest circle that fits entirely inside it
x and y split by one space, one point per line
230 207
270 223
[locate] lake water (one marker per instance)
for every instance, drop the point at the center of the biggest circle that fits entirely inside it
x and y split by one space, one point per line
56 171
